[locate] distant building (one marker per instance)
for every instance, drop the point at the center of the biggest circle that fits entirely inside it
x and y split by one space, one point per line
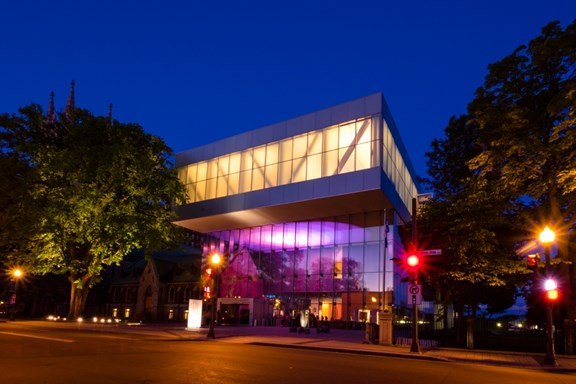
157 289
305 213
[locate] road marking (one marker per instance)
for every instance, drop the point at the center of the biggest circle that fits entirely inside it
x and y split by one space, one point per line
38 337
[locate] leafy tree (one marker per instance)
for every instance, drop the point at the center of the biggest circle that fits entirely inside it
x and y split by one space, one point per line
88 191
470 225
526 119
508 162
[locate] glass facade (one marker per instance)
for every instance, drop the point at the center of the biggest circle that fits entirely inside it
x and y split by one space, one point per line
342 148
338 267
347 147
395 168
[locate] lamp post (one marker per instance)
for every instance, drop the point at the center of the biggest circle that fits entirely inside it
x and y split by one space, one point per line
16 275
546 238
215 261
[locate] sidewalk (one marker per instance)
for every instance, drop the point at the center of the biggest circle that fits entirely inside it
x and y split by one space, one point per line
352 341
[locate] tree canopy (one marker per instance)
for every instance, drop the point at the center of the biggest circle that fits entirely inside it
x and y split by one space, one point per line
83 192
511 155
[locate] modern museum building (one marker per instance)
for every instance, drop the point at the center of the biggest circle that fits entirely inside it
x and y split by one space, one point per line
305 213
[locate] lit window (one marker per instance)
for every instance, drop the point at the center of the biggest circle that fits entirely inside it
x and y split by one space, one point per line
259 156
245 181
285 150
347 135
211 188
285 173
127 313
330 138
299 170
235 161
222 186
191 174
212 168
271 175
314 142
233 183
272 153
300 146
247 161
202 171
314 167
258 179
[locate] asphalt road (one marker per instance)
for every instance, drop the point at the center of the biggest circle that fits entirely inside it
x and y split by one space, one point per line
32 354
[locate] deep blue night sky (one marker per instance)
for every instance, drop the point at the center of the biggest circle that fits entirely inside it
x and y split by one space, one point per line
193 72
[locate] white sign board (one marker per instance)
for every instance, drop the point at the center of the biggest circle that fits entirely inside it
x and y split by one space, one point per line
414 294
194 313
431 252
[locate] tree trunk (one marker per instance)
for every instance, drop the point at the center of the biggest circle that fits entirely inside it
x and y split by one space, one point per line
78 295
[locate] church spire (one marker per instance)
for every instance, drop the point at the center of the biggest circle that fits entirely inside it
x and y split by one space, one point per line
109 117
70 102
50 114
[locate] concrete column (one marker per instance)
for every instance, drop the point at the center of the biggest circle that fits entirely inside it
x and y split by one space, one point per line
385 336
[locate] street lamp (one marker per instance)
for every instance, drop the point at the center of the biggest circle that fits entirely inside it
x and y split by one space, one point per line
16 275
215 261
546 238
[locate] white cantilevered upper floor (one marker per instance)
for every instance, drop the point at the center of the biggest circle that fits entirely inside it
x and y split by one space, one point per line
341 160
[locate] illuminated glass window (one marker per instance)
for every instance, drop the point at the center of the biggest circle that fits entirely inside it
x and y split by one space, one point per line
258 178
245 181
272 153
211 188
234 183
127 313
285 172
202 171
212 172
259 156
314 142
300 146
337 149
347 135
271 176
285 150
314 167
299 170
222 186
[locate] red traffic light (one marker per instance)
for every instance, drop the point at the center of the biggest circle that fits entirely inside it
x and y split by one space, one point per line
413 261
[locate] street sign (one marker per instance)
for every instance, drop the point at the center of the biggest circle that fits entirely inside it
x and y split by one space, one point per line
431 252
415 294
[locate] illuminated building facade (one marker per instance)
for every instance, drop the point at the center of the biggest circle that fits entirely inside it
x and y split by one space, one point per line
305 211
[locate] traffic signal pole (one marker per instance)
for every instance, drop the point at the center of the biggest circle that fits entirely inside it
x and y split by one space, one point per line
550 358
415 347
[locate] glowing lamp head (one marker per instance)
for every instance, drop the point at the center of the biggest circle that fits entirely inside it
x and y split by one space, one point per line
215 259
547 236
17 272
